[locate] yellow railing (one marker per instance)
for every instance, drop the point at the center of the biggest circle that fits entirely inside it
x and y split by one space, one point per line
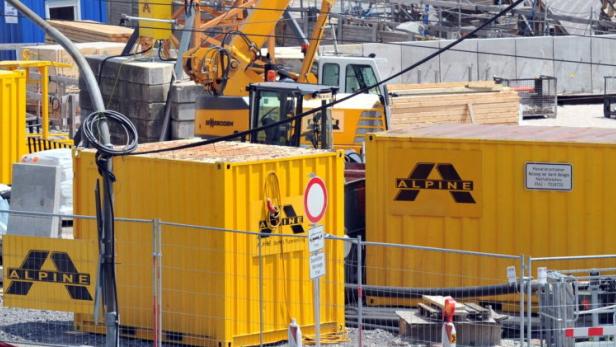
40 139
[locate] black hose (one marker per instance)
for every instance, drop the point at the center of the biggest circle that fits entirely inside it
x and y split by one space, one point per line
415 293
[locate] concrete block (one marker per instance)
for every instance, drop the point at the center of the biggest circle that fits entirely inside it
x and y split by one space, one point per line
114 105
142 110
148 129
36 188
459 64
541 48
182 130
388 58
84 99
491 63
573 77
112 87
413 52
603 55
186 91
85 112
131 70
145 93
111 92
183 112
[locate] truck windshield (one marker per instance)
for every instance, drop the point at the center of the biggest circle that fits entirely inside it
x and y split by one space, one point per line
360 76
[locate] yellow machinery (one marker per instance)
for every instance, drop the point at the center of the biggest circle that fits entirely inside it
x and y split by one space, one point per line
39 140
226 71
155 9
12 121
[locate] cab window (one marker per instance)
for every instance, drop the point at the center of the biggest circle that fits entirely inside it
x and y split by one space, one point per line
274 107
331 74
360 76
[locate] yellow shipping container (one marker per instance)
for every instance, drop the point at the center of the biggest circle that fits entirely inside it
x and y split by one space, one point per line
12 121
534 191
211 278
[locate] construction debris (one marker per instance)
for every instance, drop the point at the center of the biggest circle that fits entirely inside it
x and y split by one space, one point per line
481 102
475 325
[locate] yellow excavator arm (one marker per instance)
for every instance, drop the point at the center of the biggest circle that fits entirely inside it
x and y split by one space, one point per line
229 68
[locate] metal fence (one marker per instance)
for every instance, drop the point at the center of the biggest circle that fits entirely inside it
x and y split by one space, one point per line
538 96
409 281
575 300
609 96
182 284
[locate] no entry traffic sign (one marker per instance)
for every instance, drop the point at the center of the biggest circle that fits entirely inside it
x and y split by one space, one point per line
315 199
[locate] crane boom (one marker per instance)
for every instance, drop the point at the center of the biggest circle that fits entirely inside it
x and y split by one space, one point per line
261 22
315 41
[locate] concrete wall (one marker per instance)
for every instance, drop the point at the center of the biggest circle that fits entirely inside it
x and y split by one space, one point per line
579 63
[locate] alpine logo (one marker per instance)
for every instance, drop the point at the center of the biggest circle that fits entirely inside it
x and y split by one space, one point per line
409 188
24 277
218 123
290 219
146 7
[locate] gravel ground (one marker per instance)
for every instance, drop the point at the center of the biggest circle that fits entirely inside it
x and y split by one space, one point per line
33 327
576 116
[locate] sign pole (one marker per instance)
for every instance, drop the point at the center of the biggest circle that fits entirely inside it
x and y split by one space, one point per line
317 310
315 204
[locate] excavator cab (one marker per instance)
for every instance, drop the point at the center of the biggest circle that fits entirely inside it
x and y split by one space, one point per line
272 102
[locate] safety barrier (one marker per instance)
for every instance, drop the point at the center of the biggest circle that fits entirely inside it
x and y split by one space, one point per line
574 300
181 284
412 282
37 144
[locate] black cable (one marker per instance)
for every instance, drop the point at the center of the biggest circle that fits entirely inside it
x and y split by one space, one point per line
160 47
91 125
102 66
362 90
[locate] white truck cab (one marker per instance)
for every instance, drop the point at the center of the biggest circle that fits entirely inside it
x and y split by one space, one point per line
349 74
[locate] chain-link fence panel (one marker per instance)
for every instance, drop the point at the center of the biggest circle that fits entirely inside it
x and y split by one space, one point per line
572 300
407 290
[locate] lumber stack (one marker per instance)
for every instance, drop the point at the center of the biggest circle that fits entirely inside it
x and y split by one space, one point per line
56 53
481 102
90 31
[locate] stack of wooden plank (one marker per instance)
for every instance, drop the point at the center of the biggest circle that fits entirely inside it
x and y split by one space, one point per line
90 31
455 102
56 53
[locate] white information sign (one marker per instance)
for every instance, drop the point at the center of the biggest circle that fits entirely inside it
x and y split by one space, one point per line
10 13
317 265
549 176
316 238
